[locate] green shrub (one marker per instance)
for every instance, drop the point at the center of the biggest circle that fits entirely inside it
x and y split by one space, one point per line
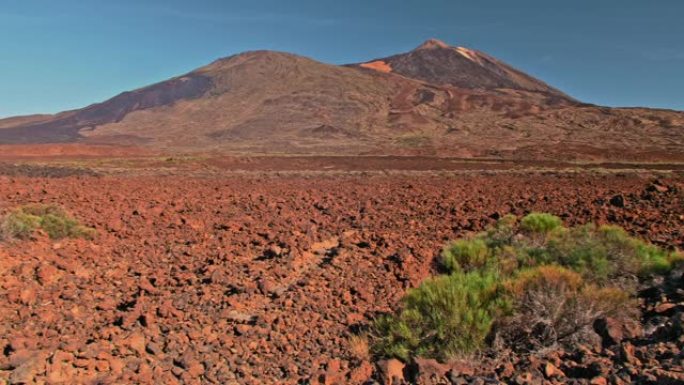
554 278
58 227
634 255
22 222
501 234
581 250
533 284
18 224
598 253
465 255
605 252
540 223
445 316
41 210
675 259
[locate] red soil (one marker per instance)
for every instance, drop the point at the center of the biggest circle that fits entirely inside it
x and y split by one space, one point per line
255 280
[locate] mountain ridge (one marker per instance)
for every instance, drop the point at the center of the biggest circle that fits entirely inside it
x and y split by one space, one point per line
435 100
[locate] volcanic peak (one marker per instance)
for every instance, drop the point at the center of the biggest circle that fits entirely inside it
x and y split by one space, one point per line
432 44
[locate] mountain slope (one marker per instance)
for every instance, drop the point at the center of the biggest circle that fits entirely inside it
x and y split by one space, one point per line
65 127
435 100
261 99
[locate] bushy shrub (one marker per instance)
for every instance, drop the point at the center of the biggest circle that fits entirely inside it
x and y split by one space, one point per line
465 255
444 317
554 305
634 255
554 278
540 223
579 249
597 253
501 234
605 252
533 284
22 222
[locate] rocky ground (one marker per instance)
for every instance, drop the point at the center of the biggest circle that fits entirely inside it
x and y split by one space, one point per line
262 279
649 350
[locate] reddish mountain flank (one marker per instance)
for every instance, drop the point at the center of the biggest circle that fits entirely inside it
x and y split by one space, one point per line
434 100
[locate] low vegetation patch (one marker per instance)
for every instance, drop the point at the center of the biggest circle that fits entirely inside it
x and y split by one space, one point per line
520 285
554 305
446 316
54 221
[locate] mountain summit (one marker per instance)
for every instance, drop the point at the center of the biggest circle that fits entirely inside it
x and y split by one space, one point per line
433 43
434 100
436 62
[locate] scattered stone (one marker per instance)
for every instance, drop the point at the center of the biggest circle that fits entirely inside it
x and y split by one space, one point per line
428 370
617 201
26 372
136 342
391 371
551 371
180 275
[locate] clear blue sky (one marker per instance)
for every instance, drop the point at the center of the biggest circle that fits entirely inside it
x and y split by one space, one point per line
57 55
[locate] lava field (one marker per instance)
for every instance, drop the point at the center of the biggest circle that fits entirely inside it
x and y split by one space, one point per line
249 279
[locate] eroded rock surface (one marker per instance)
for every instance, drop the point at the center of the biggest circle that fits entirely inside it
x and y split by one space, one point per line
258 280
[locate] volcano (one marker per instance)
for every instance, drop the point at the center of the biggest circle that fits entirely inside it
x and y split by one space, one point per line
435 100
438 63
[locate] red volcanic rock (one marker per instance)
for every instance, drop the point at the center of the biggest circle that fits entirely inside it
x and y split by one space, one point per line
610 330
47 274
27 369
429 371
598 381
147 286
391 371
668 377
627 354
613 331
551 371
361 373
334 374
136 342
162 302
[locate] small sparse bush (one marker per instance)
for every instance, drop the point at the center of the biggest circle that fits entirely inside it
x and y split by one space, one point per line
540 223
502 233
359 347
445 316
554 305
18 225
465 255
22 222
634 255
